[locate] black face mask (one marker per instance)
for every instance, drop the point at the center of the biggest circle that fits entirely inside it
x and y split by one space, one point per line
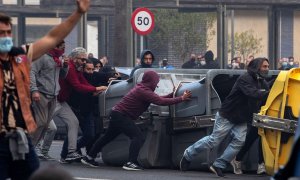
88 76
264 74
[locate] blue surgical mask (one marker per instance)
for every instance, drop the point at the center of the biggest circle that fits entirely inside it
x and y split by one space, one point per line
284 63
6 44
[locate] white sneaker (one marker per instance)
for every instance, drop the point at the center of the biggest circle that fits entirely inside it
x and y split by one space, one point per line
261 169
237 166
132 166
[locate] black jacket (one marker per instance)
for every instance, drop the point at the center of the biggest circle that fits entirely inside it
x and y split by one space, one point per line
191 64
211 64
246 96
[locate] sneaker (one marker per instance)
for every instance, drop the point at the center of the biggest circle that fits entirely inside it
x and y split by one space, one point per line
132 166
184 164
237 166
72 156
217 171
90 162
38 153
63 161
261 169
47 157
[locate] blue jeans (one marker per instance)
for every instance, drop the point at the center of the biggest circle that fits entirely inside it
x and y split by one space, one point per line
16 170
221 129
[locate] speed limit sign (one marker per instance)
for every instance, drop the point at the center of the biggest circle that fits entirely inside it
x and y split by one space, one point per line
142 21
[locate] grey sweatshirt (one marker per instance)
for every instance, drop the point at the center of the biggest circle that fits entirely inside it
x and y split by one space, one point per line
44 76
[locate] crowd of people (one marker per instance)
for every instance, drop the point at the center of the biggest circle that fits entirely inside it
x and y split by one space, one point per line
39 82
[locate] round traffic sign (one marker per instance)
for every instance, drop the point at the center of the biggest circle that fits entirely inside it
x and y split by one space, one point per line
142 21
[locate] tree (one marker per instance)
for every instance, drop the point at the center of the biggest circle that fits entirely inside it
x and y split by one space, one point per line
184 33
245 44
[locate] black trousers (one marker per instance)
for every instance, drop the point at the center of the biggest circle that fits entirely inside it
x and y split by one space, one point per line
119 123
251 137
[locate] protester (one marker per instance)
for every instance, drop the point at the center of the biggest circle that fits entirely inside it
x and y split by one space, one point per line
44 88
147 59
137 61
248 60
200 62
210 62
191 63
104 61
245 98
74 81
165 64
124 114
87 110
97 64
20 161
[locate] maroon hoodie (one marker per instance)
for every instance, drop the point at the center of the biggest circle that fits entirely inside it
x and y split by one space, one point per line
142 95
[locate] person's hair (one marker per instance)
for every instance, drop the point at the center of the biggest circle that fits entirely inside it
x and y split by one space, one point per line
88 61
51 173
148 52
77 51
5 19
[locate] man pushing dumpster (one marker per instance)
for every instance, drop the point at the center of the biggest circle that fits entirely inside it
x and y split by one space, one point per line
126 111
245 98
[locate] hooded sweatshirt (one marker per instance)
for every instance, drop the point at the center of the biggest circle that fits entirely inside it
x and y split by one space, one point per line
210 62
142 65
247 95
142 95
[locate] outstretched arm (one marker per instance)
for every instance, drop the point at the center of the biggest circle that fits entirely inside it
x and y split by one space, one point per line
59 32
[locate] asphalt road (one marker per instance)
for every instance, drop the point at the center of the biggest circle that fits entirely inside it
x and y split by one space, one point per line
81 172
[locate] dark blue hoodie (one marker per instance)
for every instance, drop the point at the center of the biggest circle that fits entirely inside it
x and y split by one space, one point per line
143 65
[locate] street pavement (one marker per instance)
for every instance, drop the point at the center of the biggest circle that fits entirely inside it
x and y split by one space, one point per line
82 172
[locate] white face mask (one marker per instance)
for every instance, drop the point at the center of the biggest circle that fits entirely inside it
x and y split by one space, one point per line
291 63
235 64
202 63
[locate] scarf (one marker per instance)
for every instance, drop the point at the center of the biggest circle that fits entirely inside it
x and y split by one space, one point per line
56 53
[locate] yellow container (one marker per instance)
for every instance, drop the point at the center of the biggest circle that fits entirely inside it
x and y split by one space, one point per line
285 92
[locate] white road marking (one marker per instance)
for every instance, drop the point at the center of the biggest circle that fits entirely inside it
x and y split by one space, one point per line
80 178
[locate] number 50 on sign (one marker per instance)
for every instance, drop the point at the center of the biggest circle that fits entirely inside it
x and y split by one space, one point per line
142 21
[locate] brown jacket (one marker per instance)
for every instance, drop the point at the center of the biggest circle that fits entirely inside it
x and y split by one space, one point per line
22 79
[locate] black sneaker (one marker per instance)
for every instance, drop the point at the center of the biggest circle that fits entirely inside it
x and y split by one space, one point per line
184 164
73 156
132 166
90 162
216 170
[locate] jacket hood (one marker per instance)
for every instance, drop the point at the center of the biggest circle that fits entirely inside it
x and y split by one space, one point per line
142 58
150 79
209 56
254 66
